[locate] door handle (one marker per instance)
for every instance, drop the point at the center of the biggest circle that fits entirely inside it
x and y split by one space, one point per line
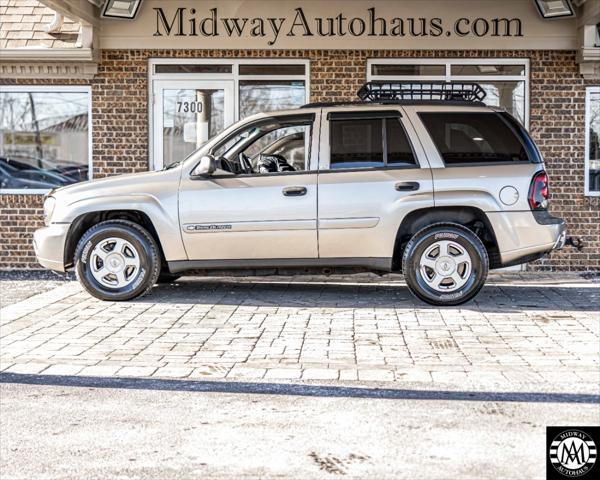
294 191
407 186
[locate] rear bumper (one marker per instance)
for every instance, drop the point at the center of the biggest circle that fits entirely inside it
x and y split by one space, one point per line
49 246
537 233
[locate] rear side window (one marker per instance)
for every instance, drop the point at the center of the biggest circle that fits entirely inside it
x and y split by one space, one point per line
397 147
465 138
356 143
368 143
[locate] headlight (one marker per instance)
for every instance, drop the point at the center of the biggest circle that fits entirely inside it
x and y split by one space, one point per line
49 204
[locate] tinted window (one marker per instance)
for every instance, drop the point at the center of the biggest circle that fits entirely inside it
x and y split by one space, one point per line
258 69
398 148
356 143
172 68
464 137
404 69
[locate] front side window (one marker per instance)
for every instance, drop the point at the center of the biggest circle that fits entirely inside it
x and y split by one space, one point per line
267 147
287 144
473 138
44 138
368 143
592 142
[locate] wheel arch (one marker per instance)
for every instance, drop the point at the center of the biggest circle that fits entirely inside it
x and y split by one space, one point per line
85 221
470 217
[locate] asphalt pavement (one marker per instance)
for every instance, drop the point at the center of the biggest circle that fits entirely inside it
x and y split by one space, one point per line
77 427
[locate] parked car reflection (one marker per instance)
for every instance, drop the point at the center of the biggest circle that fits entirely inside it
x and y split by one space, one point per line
36 173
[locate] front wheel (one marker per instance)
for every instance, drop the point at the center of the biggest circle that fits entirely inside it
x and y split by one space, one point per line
117 260
445 264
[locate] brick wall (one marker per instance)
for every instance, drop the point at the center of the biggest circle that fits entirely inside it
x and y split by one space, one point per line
120 132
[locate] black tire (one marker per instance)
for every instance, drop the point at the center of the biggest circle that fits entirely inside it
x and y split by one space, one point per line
166 277
425 238
149 260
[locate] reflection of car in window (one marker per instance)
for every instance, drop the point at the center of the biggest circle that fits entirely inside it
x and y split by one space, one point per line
20 171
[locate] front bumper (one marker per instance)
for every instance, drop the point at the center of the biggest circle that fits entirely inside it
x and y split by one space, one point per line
49 245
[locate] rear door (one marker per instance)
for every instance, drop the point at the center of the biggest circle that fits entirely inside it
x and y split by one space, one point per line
372 172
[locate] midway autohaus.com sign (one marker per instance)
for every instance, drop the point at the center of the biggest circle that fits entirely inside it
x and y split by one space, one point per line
339 24
211 23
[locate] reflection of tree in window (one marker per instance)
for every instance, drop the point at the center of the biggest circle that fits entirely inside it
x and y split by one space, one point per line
595 128
593 159
268 95
43 138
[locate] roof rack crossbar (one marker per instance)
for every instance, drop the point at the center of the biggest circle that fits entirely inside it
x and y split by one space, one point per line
446 91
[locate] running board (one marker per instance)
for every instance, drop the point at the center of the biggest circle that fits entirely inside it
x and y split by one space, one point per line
373 263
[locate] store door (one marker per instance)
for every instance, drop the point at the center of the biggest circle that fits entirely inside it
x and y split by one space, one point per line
186 114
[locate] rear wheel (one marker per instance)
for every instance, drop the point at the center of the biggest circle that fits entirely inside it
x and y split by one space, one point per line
117 260
445 264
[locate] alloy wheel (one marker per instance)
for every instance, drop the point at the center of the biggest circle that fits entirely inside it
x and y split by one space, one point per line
445 266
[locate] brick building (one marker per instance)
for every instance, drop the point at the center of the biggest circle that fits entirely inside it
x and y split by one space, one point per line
84 96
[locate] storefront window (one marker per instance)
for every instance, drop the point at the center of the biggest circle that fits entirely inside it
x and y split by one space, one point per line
487 70
272 69
407 69
592 142
44 137
194 100
258 96
508 95
193 68
191 116
505 81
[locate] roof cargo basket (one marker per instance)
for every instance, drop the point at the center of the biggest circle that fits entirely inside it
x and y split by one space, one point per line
391 92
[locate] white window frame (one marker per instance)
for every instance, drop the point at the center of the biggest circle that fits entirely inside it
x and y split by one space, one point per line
586 170
448 77
53 88
234 75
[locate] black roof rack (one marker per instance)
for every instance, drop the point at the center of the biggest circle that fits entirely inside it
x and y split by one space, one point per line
457 103
391 92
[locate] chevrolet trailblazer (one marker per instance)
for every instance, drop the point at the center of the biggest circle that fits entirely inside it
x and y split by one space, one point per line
420 178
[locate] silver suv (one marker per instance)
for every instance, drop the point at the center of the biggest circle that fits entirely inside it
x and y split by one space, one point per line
440 187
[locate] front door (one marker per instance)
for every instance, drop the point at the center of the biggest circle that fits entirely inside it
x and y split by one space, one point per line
186 114
261 205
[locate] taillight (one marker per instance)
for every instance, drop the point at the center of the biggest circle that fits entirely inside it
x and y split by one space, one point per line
538 191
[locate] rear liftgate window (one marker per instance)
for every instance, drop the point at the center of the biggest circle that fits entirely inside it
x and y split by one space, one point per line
474 138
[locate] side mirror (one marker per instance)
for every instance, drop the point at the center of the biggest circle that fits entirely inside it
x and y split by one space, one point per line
206 167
